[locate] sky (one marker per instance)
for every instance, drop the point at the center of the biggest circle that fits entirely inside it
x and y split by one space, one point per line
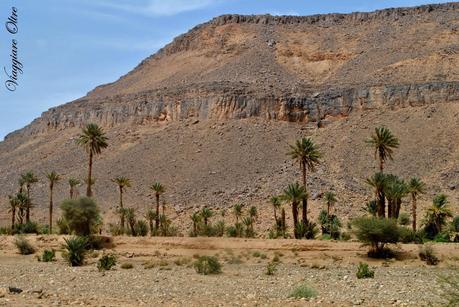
68 47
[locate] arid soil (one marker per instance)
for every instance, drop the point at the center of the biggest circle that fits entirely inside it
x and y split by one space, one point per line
162 274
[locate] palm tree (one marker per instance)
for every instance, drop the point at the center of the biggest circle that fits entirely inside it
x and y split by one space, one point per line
196 219
93 139
206 214
371 207
438 213
53 178
383 142
330 200
130 216
293 194
14 204
159 189
151 216
237 212
73 183
394 190
378 182
22 203
122 183
307 154
21 183
253 213
415 187
28 179
276 203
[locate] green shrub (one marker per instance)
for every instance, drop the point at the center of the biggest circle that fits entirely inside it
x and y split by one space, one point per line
377 233
303 291
127 266
455 224
63 226
141 228
29 227
407 235
47 256
106 262
115 230
6 231
404 219
82 215
442 237
345 236
75 250
207 265
271 268
364 271
219 229
427 254
24 247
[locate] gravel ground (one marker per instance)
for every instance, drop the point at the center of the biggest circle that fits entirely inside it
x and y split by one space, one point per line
402 283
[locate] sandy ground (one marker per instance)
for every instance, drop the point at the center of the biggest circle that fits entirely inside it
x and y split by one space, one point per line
162 274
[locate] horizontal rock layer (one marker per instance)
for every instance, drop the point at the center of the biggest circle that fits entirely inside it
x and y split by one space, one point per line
151 107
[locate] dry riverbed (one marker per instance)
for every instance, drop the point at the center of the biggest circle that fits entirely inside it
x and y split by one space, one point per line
163 274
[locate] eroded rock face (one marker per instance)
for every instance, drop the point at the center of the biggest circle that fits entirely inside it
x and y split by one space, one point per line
152 107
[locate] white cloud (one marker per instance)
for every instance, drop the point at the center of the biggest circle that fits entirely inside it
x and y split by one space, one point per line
158 7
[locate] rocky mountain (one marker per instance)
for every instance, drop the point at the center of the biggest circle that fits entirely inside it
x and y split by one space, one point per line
211 114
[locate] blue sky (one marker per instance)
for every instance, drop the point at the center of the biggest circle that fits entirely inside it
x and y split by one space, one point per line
68 47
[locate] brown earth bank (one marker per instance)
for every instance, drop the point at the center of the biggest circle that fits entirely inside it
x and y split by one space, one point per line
211 115
162 274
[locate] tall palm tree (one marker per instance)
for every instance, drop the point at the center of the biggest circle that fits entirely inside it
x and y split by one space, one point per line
22 203
130 216
151 216
93 139
330 200
308 155
276 203
122 183
53 178
378 182
29 179
415 187
253 213
159 189
14 204
73 183
196 219
384 143
438 213
293 194
206 214
394 190
237 212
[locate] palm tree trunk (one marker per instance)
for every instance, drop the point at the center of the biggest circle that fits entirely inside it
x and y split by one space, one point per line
414 211
152 231
51 208
283 220
295 218
305 199
381 162
28 204
381 205
13 217
397 208
157 211
328 209
121 207
390 205
71 192
88 189
275 215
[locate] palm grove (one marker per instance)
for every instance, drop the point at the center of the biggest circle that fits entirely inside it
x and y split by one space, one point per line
389 192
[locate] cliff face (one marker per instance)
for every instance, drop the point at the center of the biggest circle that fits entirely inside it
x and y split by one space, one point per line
232 92
214 105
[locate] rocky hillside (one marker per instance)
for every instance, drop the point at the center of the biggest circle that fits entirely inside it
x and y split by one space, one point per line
211 114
